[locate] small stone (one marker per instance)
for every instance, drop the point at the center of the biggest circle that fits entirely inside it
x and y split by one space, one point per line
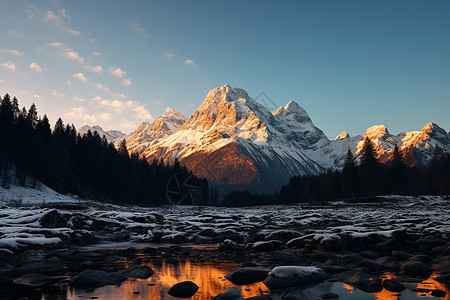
329 295
247 275
438 293
230 294
393 285
142 272
185 289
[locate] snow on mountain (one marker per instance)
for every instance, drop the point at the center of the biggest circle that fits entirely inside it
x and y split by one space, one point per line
233 139
150 133
343 135
114 136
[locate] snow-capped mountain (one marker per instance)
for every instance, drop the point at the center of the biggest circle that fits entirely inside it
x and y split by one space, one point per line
233 139
150 133
114 136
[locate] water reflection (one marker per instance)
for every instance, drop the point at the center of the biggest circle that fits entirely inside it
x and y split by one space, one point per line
210 279
428 284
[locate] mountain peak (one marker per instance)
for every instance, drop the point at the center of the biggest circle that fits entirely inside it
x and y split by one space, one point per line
377 132
343 135
431 127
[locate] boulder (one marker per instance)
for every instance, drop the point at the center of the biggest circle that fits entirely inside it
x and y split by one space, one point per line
329 295
230 294
53 219
33 280
291 276
247 275
332 242
94 279
185 289
283 235
142 272
393 285
415 269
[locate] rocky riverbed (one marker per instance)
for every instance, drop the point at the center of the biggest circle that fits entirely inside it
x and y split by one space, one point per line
399 246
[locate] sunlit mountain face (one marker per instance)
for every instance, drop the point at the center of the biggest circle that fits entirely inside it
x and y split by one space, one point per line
232 139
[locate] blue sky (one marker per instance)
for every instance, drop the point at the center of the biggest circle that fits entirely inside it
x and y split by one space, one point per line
350 64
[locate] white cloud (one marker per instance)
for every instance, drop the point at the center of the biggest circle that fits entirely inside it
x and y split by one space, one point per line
56 44
96 53
69 83
74 32
78 99
118 95
190 62
143 113
13 52
126 82
36 96
117 72
169 55
92 40
34 66
57 94
79 113
80 76
9 65
97 99
95 69
74 55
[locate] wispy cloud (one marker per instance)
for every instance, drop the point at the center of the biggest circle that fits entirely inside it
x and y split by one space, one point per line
96 53
59 18
16 33
102 87
9 65
78 99
126 82
80 76
169 55
13 52
57 94
95 69
36 96
190 62
139 29
34 66
55 44
74 32
117 72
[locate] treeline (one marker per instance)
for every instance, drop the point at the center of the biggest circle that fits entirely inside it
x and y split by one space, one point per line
359 180
88 165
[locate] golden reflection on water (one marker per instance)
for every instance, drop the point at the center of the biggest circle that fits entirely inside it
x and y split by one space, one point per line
429 284
210 279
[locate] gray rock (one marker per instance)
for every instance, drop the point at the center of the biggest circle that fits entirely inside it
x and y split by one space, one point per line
393 285
142 272
33 280
230 294
292 276
94 279
185 289
329 295
53 219
415 269
247 275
